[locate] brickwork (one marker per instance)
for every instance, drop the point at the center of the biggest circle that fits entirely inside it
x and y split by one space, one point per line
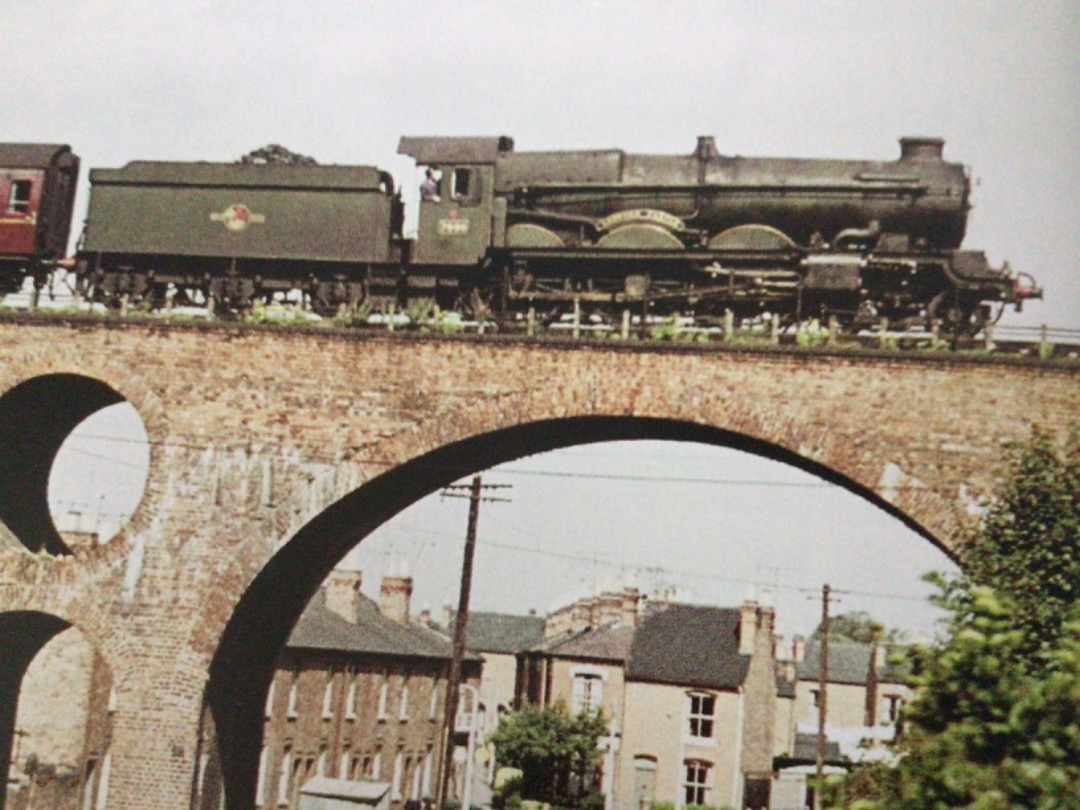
273 452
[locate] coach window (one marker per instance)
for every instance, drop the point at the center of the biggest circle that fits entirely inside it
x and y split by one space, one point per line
19 201
465 185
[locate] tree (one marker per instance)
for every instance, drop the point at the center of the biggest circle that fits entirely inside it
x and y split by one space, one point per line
994 724
1027 545
860 627
556 751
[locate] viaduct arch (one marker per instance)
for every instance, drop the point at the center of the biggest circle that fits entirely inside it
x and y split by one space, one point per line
273 452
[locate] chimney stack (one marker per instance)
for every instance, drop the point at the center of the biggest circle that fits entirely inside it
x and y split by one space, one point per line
798 649
748 620
343 594
394 597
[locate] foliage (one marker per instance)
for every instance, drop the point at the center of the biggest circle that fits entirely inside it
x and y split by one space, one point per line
860 627
1028 544
556 751
811 333
995 723
276 314
352 316
985 733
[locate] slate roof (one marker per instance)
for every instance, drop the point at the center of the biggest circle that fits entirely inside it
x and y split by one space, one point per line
612 643
784 688
689 645
805 749
849 663
501 632
374 634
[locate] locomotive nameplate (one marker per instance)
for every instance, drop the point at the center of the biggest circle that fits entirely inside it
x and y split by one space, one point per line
453 227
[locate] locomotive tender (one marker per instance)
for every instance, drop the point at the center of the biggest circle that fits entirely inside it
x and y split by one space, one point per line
606 232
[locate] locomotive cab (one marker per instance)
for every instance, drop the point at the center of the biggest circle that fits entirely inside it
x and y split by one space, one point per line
457 228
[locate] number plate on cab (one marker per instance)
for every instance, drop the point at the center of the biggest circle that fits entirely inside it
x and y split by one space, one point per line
453 227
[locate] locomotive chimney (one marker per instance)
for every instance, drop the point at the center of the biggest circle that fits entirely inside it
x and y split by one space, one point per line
922 148
706 148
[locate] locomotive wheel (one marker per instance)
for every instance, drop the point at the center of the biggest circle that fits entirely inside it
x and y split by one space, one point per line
640 237
751 237
954 315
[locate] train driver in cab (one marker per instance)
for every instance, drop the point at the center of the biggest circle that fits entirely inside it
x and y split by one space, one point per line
429 189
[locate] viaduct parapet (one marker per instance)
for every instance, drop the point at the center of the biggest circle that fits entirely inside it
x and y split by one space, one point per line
272 452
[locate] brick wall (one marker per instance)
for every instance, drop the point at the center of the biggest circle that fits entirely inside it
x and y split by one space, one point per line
255 433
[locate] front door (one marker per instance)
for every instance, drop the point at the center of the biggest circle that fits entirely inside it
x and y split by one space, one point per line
644 783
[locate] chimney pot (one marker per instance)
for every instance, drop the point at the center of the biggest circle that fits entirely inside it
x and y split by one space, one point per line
394 597
343 594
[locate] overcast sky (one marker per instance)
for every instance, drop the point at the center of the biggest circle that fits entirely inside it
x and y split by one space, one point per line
122 80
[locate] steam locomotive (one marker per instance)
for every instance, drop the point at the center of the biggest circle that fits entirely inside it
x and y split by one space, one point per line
502 233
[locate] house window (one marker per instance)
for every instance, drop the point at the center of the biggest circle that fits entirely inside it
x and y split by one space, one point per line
588 691
292 698
428 760
433 710
700 714
892 707
395 784
19 201
403 704
328 699
350 702
283 778
383 690
103 784
269 711
696 784
816 695
343 765
88 785
376 766
260 785
414 790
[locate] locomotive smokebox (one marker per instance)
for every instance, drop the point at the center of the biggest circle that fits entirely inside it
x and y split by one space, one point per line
922 148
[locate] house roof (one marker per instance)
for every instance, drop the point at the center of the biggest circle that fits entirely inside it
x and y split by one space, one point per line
805 749
374 634
501 632
611 643
849 662
689 645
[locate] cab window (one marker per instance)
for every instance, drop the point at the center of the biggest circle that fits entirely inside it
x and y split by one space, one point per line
465 185
19 201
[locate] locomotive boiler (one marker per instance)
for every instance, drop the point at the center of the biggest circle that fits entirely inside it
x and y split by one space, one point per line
702 233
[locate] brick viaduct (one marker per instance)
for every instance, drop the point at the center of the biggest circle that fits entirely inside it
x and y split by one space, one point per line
273 452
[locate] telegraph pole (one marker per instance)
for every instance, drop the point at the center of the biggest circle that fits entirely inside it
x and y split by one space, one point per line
460 621
827 595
